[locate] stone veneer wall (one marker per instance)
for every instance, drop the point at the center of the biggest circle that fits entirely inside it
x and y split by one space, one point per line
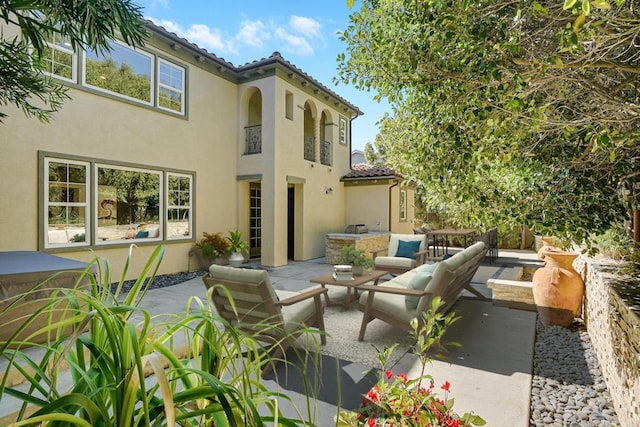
367 242
614 330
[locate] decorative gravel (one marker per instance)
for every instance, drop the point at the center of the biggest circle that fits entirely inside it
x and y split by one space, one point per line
567 387
162 281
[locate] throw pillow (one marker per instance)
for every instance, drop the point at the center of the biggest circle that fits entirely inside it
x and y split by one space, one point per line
428 268
419 282
408 248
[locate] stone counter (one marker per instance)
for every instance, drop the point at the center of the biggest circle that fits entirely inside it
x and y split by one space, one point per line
365 241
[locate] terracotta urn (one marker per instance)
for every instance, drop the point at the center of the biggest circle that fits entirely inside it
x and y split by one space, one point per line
547 243
557 288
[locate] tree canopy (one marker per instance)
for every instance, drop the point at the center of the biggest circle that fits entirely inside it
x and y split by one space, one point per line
507 112
84 24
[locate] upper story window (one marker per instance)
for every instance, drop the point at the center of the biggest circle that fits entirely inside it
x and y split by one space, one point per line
89 203
342 130
170 86
59 59
132 74
121 71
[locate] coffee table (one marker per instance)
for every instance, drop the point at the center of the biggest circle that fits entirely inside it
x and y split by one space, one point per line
351 285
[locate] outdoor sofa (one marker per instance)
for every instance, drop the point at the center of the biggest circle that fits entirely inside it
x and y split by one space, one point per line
407 296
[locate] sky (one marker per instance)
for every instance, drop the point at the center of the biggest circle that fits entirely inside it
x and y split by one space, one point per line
305 33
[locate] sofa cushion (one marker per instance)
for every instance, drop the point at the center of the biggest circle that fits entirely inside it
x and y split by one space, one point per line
408 248
419 282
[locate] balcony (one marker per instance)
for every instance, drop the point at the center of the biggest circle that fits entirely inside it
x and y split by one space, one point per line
325 153
253 139
309 148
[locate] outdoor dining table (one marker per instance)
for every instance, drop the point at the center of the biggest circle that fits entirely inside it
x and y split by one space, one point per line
466 233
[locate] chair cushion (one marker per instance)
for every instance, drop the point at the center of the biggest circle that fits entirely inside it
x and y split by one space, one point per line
390 261
419 282
242 275
295 316
408 249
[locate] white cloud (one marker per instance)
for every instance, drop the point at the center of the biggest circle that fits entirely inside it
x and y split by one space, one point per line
293 44
309 27
253 33
297 37
212 39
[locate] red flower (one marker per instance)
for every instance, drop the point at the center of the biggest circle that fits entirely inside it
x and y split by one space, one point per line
404 378
372 422
388 373
446 386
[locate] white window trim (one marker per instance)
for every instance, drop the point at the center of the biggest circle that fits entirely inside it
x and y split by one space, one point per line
85 204
342 130
74 63
189 206
402 215
152 72
171 88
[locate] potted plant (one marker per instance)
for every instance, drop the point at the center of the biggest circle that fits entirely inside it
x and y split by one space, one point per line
237 247
213 248
357 258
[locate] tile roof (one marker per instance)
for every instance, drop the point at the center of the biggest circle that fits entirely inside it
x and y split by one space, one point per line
367 171
275 59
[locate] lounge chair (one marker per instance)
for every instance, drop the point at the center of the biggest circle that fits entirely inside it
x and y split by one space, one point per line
404 252
275 317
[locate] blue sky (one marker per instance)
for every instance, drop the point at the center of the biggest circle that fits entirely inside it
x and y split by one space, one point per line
305 34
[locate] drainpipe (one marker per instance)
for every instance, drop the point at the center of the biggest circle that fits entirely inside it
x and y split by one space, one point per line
395 184
351 119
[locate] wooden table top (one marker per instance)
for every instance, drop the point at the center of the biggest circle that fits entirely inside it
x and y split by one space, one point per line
328 279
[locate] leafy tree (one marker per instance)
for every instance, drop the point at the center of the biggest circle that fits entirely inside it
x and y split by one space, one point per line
507 112
86 24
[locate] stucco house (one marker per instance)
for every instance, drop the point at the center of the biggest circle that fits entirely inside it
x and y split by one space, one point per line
162 143
379 198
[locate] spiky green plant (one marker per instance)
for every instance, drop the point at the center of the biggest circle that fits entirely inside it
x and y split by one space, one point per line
206 380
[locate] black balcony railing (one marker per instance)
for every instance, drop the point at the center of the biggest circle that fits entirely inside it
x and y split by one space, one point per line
309 148
325 153
253 139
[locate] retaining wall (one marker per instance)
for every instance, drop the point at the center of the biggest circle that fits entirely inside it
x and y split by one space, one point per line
613 323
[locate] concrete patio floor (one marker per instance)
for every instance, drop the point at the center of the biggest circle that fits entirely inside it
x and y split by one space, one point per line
490 375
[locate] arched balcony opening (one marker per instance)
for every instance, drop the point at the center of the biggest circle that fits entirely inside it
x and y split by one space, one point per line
253 130
326 139
309 134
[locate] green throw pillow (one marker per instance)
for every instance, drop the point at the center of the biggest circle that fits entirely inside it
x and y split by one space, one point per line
419 282
408 248
427 268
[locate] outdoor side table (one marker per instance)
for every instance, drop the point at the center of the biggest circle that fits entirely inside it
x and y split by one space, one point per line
351 285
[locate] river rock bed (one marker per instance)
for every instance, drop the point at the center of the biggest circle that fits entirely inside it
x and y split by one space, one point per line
567 386
162 281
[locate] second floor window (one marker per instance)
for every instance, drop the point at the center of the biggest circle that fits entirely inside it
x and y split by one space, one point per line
122 70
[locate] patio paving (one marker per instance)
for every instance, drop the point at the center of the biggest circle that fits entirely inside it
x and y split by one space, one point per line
490 374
